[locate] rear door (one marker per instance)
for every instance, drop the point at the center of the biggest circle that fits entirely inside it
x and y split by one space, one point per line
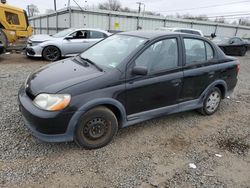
199 69
162 85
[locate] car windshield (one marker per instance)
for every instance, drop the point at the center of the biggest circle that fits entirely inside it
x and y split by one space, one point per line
63 33
113 50
221 39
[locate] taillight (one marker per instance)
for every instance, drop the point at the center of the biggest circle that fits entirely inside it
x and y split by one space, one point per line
238 68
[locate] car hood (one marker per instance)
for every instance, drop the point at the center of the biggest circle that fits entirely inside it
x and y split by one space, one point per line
41 38
60 75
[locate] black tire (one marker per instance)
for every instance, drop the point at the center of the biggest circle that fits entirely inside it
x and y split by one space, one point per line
96 128
51 53
243 52
209 110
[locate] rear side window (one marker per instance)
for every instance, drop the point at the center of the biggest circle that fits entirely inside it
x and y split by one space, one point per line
187 31
196 33
197 51
96 35
12 18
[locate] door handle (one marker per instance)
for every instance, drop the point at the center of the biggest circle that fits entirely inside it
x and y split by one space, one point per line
211 74
176 82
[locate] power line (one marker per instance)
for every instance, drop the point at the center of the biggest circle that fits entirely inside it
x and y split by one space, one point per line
209 6
233 17
224 15
235 12
229 15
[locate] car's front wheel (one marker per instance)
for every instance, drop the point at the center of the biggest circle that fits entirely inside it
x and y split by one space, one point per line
51 53
96 128
211 102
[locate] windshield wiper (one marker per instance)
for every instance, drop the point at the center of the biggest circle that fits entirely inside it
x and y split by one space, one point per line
79 61
92 63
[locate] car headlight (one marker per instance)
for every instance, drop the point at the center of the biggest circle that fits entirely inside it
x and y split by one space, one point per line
52 102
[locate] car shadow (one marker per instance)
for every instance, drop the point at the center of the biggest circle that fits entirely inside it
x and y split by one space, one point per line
126 133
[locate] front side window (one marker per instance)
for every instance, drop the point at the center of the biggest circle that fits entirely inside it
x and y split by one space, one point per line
79 35
160 56
113 50
12 18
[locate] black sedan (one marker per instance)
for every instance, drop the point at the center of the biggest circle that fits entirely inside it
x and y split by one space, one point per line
231 45
125 79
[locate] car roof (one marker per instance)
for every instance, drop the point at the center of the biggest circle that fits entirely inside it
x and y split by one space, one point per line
92 29
149 34
179 28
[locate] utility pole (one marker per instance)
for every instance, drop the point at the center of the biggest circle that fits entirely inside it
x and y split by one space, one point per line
28 8
240 21
139 12
139 8
55 5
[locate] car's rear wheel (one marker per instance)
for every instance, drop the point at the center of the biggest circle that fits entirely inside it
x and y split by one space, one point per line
96 128
51 53
211 102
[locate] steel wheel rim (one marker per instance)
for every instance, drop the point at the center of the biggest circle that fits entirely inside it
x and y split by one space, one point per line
213 101
95 129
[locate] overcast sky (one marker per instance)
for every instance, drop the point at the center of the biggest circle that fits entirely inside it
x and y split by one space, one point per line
161 6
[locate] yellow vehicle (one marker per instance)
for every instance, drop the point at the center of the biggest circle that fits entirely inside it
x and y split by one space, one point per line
13 24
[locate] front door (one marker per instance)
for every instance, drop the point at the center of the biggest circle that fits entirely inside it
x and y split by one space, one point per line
77 44
162 85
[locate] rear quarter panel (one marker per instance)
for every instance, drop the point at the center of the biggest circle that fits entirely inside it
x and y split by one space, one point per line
228 73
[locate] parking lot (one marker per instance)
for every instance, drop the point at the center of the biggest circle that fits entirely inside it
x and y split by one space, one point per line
156 153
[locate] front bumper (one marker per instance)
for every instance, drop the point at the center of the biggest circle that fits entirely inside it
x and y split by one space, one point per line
34 51
46 126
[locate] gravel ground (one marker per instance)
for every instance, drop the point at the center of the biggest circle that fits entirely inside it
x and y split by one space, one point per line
156 153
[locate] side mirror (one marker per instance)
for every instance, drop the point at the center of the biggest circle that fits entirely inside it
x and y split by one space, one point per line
231 42
140 70
213 35
69 37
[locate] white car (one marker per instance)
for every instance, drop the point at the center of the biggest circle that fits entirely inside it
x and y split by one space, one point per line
68 42
182 30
